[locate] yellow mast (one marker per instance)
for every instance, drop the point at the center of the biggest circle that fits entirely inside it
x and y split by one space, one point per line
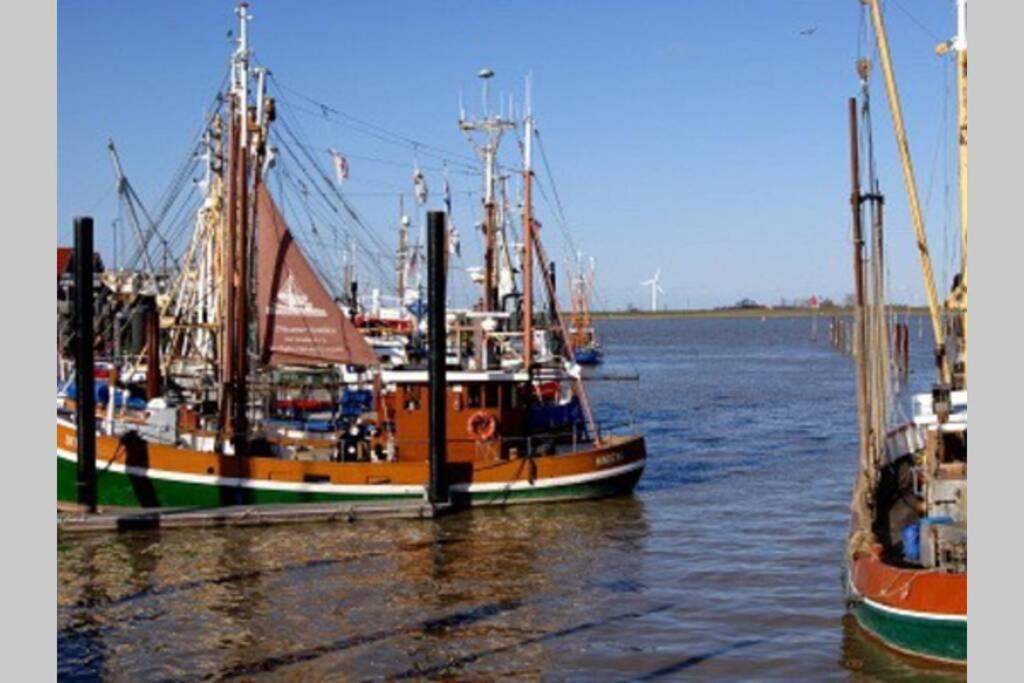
911 185
962 116
959 45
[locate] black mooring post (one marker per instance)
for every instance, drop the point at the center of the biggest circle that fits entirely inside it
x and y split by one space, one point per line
437 339
85 398
552 304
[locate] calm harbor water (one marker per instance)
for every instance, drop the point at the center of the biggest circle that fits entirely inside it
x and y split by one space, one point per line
725 565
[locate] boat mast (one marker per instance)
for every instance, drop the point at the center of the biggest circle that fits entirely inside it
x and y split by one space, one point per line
193 301
941 359
506 272
125 191
492 128
959 45
859 335
403 250
528 234
227 268
588 293
576 315
236 325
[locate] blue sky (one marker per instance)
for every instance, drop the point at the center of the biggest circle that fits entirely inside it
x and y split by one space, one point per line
707 138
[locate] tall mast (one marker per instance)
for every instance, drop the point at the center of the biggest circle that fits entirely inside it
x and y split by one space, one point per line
528 233
236 245
227 271
492 129
588 294
959 44
960 47
941 359
403 250
350 274
858 277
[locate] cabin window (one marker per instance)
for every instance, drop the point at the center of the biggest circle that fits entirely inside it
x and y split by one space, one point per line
411 399
954 446
473 396
492 395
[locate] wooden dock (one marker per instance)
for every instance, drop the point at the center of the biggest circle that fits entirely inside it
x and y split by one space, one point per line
76 521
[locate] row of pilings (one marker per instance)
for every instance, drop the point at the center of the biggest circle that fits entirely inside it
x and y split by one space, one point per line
840 338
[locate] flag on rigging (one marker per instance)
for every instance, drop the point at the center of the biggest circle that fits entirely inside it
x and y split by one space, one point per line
340 166
420 185
454 246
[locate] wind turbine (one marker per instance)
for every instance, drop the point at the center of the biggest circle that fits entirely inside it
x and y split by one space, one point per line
655 288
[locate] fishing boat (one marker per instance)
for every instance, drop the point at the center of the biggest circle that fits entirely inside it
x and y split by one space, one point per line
907 554
260 388
581 326
391 324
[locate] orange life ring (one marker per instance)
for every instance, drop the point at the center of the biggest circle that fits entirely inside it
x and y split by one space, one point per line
482 426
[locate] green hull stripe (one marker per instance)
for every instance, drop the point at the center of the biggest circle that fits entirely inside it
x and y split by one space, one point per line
127 490
944 639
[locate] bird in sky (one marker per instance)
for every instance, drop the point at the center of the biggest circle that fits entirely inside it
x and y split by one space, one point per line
808 31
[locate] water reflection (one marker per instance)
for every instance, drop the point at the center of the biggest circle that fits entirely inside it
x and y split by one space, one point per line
376 600
871 661
724 566
80 644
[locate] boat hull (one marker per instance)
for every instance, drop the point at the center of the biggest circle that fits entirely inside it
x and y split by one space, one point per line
588 356
918 612
157 476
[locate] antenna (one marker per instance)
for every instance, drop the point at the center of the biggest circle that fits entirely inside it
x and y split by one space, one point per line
485 74
529 94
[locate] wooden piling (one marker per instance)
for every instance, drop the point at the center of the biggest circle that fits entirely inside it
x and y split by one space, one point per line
437 361
905 350
85 389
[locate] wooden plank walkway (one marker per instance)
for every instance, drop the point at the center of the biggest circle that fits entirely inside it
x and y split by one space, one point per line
72 521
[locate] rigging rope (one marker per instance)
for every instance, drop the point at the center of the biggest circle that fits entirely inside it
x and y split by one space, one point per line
329 184
381 133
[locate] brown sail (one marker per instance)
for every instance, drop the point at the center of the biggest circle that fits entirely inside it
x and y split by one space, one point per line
300 324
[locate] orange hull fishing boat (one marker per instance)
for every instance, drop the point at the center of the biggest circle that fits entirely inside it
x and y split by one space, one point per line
261 389
907 557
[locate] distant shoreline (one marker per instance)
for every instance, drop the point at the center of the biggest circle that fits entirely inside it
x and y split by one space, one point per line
743 313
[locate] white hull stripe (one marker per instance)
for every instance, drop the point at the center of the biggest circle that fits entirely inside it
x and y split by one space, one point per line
551 482
931 616
367 489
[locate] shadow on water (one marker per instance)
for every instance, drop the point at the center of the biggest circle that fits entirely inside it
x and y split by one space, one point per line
672 669
450 622
449 667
